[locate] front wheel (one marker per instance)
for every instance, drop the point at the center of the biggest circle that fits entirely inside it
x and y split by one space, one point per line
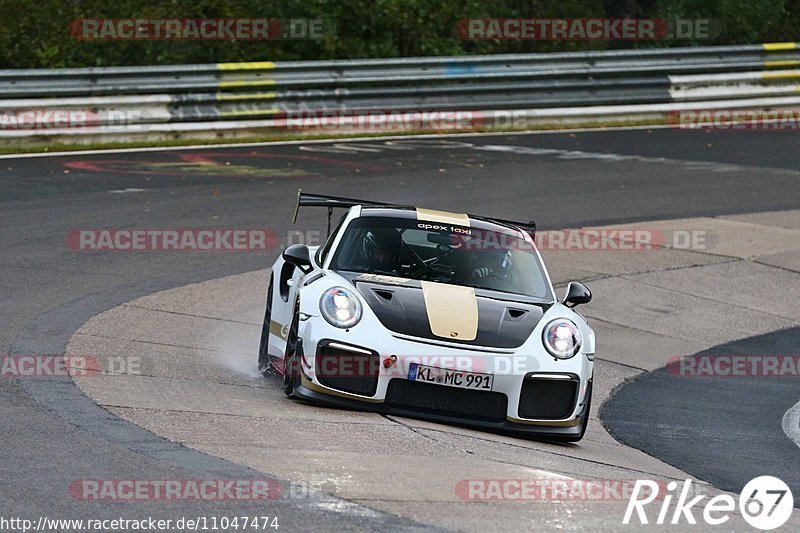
264 361
291 373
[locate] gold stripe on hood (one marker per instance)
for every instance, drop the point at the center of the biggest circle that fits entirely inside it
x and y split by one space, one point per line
452 310
442 217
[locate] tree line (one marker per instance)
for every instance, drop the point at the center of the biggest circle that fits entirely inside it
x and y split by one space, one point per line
41 33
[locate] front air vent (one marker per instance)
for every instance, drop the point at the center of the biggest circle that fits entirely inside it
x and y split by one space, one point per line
515 314
384 294
347 368
548 396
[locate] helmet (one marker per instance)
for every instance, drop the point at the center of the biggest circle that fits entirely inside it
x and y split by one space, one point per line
495 264
382 248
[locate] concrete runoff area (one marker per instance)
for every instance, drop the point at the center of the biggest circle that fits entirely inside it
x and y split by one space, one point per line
199 385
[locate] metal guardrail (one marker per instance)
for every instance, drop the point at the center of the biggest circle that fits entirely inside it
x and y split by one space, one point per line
256 98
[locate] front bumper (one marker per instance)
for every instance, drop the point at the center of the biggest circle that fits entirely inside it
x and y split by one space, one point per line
572 428
506 408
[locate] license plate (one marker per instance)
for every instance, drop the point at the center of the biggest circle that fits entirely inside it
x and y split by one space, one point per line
450 378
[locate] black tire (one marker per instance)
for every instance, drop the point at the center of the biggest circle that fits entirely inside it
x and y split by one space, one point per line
264 360
291 374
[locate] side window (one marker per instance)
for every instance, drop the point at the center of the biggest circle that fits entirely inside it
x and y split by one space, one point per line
349 254
283 283
322 253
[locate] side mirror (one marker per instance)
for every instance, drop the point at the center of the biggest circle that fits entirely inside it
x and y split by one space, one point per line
577 293
298 255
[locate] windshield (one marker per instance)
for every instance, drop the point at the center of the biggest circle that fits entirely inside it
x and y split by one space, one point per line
443 253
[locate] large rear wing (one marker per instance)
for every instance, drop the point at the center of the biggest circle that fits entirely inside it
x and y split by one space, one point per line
305 199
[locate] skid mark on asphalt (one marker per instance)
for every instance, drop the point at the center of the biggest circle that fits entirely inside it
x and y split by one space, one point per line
192 315
550 474
425 432
154 343
542 473
534 446
785 269
414 430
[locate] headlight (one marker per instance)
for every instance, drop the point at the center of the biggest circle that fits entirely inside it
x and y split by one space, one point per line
340 307
561 338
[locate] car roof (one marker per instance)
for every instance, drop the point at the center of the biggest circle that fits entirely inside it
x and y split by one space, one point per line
442 217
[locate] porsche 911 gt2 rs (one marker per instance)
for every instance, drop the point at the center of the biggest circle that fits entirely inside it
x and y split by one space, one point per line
429 314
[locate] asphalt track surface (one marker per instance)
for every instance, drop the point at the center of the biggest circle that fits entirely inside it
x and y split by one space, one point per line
52 434
694 423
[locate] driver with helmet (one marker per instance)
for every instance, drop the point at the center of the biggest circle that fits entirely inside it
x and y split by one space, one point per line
382 248
382 251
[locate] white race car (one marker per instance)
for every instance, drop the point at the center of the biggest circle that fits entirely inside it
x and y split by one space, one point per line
429 314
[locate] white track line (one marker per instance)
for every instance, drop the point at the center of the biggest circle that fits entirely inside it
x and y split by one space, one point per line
791 423
222 146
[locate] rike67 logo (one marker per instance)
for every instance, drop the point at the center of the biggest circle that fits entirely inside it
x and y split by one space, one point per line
766 503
